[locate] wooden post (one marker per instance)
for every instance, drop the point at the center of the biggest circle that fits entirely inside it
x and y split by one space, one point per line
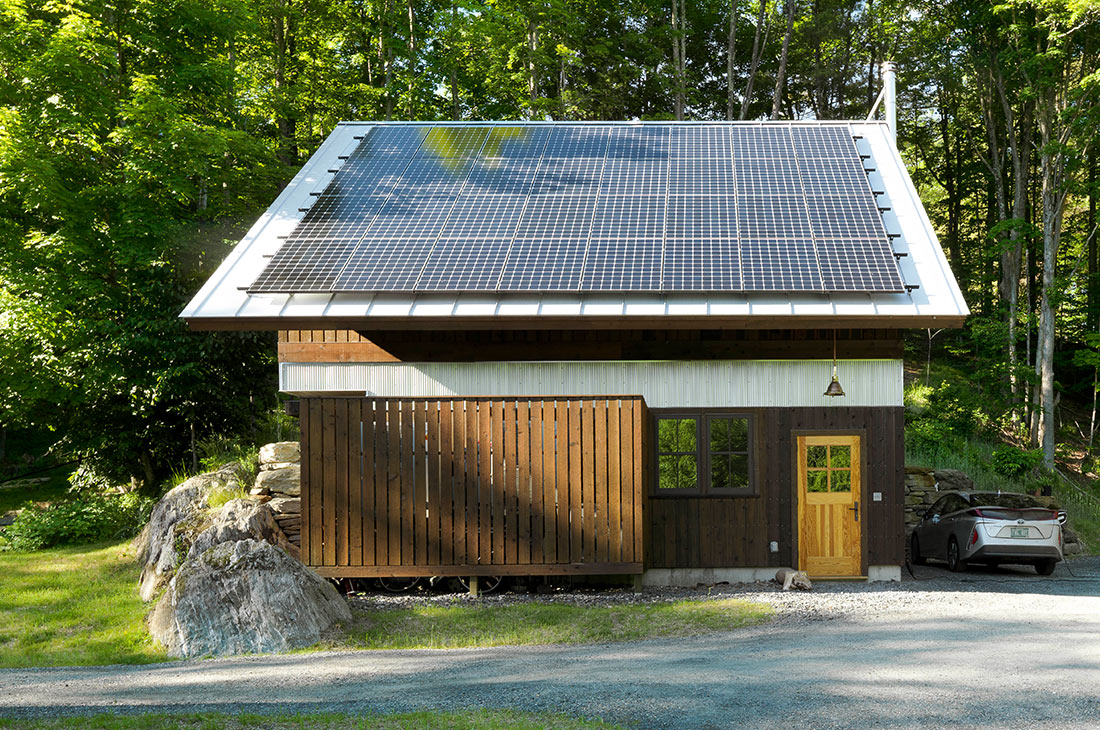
473 586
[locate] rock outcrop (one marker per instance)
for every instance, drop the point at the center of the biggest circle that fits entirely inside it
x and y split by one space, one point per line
240 519
243 597
157 544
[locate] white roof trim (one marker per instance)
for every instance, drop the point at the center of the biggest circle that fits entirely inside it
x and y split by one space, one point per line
222 301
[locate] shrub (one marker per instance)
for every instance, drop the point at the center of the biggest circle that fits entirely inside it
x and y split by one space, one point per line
1009 461
89 518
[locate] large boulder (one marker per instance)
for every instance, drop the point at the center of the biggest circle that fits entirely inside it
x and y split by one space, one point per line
244 597
156 544
240 519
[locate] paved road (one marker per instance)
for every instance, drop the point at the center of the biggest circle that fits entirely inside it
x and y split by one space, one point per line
1002 650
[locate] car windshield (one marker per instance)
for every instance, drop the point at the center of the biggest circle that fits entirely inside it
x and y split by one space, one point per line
1006 500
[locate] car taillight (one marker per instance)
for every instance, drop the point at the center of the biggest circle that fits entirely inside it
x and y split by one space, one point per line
973 536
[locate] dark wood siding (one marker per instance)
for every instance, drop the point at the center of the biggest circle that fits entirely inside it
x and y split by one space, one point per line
476 486
726 532
487 346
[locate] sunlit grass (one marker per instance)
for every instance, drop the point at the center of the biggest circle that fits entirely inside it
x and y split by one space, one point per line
448 627
465 720
75 606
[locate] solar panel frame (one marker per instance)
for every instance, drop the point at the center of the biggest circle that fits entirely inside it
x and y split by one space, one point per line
601 207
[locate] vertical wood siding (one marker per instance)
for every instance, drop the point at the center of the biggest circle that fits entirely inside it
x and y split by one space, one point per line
728 532
474 486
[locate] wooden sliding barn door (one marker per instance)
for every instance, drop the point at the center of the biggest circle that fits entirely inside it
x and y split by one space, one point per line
829 526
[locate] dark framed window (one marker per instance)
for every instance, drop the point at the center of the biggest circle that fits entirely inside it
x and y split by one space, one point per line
703 452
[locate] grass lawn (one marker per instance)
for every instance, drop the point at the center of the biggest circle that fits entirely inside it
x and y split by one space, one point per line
72 606
467 720
449 627
79 606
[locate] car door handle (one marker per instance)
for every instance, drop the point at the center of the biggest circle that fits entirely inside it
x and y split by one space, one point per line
855 508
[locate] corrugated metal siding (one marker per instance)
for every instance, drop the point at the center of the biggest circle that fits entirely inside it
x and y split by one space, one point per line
663 384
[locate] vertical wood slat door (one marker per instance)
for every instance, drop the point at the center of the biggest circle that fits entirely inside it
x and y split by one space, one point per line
481 486
829 487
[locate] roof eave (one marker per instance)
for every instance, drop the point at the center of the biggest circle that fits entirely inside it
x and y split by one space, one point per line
595 322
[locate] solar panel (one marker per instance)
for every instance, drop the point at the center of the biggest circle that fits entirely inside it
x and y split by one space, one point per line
592 207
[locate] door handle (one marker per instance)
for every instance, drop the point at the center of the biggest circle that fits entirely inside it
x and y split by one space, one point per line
855 508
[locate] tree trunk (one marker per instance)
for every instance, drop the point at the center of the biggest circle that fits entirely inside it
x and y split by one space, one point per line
1051 169
731 58
781 73
412 71
385 57
455 113
532 75
758 42
282 27
677 62
1093 254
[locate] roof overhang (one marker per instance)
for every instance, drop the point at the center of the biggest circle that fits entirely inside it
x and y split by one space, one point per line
935 301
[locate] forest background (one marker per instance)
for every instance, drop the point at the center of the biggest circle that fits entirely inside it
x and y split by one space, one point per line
140 138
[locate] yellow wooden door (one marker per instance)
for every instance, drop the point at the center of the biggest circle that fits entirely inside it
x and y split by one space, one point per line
830 543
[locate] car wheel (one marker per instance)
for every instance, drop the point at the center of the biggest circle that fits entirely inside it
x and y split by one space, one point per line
954 563
1045 567
914 551
398 585
485 584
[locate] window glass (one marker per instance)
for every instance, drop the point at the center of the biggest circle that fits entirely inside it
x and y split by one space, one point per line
817 457
676 434
937 508
677 472
677 457
704 453
842 481
840 456
817 481
729 452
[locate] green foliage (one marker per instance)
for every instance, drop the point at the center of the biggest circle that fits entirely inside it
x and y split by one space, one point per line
943 415
1011 461
87 519
221 494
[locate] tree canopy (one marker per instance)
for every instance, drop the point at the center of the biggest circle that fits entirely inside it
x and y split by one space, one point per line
135 136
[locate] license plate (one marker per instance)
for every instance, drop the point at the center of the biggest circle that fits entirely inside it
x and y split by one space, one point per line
1018 532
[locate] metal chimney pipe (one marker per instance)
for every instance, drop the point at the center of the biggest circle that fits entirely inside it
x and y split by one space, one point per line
889 98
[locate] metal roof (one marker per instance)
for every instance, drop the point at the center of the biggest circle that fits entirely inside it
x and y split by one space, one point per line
933 296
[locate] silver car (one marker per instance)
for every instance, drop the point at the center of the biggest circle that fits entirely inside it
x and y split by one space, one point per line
990 528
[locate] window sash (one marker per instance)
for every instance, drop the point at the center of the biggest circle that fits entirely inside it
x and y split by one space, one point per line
703 454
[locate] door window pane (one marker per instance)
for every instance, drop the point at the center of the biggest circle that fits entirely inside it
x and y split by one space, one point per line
840 456
817 457
817 480
842 480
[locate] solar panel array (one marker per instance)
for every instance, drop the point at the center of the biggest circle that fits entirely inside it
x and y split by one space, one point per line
540 208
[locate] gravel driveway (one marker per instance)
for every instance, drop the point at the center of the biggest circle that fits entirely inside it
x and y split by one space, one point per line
988 649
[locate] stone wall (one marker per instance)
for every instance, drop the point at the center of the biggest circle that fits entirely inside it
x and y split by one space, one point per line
279 483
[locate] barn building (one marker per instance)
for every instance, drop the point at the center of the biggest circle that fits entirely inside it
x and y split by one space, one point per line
672 350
